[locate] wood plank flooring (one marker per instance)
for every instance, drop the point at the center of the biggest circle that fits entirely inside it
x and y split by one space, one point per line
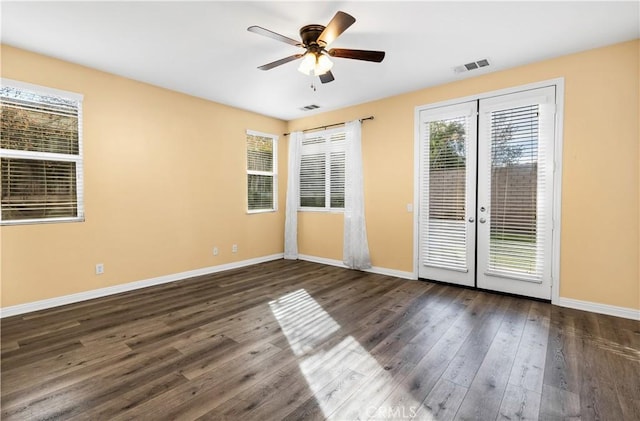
296 340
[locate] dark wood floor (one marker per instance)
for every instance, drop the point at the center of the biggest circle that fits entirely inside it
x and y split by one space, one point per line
298 341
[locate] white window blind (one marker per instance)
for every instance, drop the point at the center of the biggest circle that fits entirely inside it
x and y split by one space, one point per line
261 172
322 170
40 154
445 241
518 180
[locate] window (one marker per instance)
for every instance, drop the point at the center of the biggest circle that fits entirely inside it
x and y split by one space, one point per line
40 154
262 174
322 170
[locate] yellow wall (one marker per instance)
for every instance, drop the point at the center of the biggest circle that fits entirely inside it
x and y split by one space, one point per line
164 180
601 179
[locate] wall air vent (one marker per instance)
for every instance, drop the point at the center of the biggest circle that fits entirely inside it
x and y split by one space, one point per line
309 107
471 66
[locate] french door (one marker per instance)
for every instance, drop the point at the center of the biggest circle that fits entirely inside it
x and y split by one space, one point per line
486 193
448 193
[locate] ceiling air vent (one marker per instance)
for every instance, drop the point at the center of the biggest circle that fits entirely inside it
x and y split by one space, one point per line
310 107
471 66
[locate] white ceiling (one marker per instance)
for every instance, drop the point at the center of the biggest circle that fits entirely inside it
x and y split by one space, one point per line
204 48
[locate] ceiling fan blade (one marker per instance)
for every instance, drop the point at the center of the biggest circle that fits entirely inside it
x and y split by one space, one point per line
340 22
366 55
280 62
267 33
327 77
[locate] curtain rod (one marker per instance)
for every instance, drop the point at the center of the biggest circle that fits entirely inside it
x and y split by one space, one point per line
332 125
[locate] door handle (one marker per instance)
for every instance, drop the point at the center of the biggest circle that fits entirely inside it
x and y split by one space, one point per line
482 220
471 219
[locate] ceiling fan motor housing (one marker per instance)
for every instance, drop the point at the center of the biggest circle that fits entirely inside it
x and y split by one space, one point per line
310 33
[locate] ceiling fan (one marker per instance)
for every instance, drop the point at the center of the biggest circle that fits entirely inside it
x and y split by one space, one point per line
315 40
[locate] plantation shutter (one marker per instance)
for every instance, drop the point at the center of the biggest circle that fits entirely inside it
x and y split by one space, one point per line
322 169
261 172
336 178
313 170
521 175
40 154
445 185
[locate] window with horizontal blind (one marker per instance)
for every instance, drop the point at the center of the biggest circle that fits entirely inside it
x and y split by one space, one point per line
322 170
262 183
40 154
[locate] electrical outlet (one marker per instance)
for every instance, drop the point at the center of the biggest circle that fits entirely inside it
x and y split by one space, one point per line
234 248
216 251
99 269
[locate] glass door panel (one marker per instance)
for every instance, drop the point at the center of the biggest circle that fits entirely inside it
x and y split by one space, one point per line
447 187
515 186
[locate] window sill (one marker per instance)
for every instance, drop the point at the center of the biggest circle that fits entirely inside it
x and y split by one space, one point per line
41 221
259 211
321 210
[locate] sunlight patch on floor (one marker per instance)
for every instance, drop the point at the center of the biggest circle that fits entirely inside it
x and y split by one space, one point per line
346 381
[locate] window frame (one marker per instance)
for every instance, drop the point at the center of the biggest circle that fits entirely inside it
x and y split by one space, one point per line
49 156
327 150
273 174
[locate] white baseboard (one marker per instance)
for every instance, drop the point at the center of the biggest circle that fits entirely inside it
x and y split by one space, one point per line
627 313
375 269
116 289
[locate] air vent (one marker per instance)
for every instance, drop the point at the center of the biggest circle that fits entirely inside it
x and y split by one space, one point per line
310 107
471 66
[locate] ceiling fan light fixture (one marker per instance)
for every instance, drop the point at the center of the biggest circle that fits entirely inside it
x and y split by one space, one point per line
308 63
315 40
323 65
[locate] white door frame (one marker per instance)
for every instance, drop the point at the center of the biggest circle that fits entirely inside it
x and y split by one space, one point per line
557 174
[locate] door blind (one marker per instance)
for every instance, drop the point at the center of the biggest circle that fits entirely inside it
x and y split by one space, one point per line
517 214
445 242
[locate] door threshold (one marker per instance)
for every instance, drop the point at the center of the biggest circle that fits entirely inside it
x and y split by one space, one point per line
490 291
